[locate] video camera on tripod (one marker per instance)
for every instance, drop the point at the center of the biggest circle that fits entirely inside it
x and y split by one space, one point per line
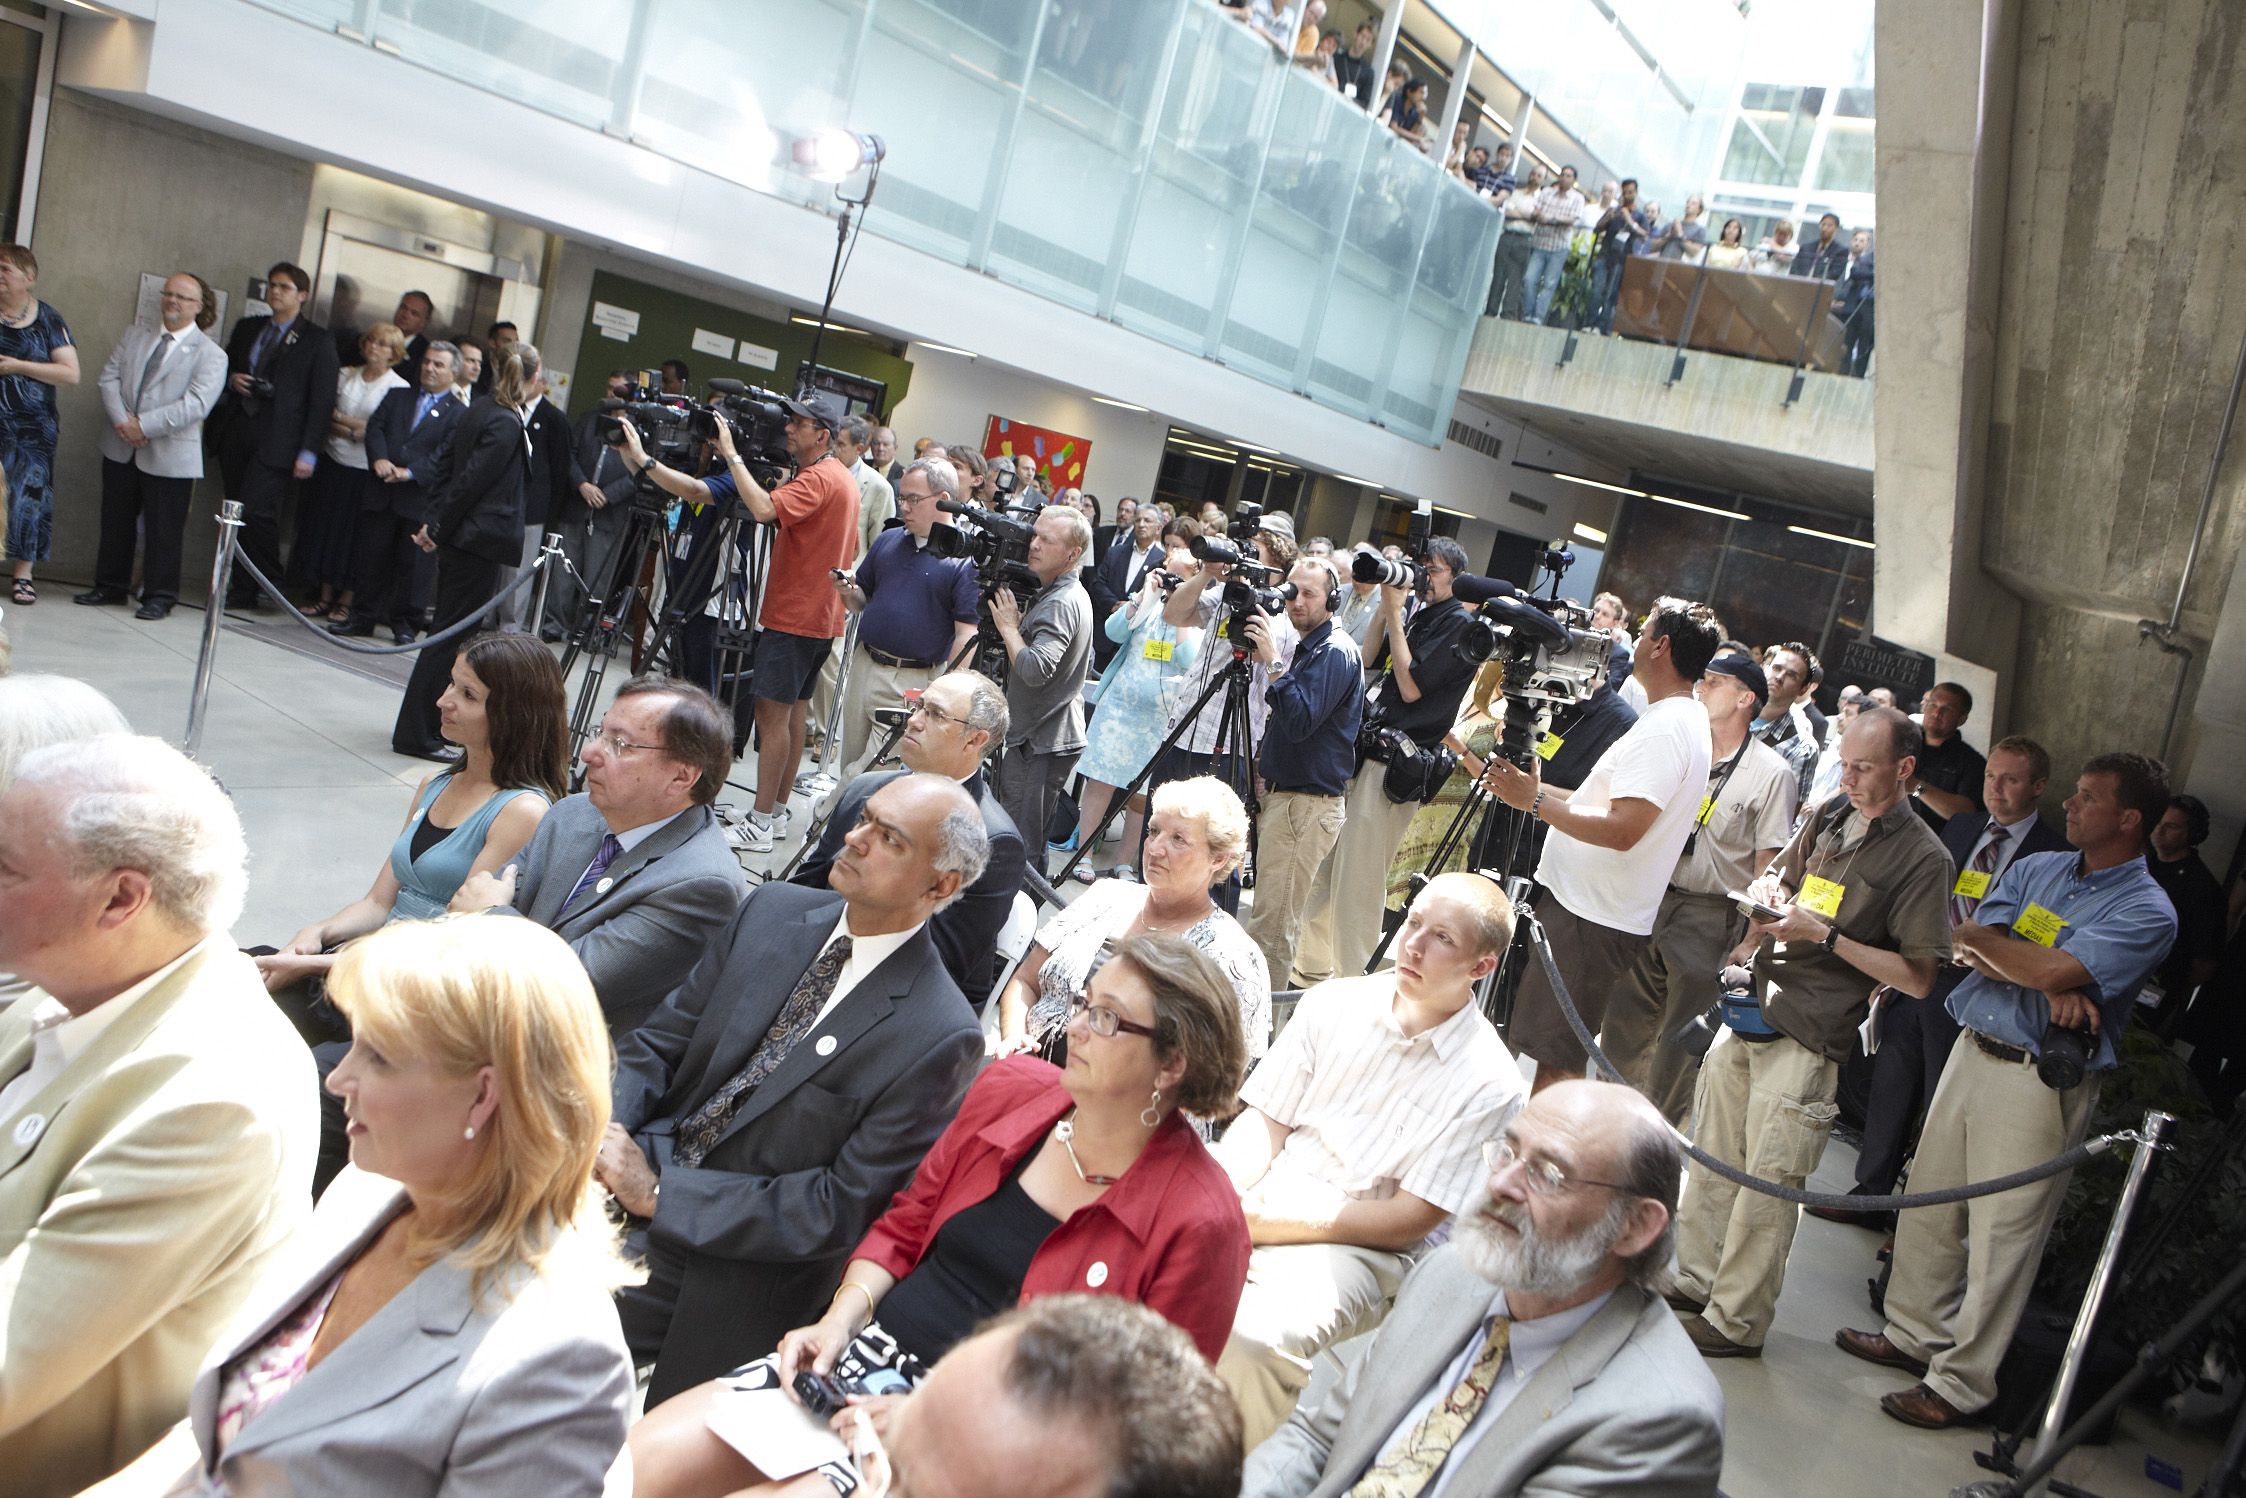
673 427
1553 658
995 541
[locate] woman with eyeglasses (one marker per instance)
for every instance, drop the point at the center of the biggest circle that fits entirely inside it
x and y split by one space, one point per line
1196 837
1050 1180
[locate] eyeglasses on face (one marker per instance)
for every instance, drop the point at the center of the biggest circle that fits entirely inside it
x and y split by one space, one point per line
618 746
1104 1021
934 714
1543 1177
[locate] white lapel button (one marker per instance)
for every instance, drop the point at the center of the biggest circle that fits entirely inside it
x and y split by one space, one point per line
825 1047
604 886
1096 1276
29 1127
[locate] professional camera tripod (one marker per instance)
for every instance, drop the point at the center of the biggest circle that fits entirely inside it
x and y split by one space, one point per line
678 595
1234 729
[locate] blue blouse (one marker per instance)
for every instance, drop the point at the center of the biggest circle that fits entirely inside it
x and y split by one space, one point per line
427 884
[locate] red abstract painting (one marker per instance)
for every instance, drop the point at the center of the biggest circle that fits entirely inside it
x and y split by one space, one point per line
1060 458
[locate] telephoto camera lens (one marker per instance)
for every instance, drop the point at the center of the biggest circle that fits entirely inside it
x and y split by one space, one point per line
2063 1058
1372 567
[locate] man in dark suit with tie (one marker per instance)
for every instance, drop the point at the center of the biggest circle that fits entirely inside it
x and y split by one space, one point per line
768 1111
272 419
959 716
591 519
633 872
1915 1035
407 438
1120 571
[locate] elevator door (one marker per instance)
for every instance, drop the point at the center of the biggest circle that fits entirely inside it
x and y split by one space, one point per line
365 267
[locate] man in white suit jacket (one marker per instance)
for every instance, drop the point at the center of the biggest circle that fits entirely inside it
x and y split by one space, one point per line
156 389
1534 1352
157 1123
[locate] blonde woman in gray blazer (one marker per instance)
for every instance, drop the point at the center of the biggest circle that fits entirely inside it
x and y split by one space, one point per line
445 1325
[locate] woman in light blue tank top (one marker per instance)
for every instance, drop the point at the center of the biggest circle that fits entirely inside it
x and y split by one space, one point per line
506 711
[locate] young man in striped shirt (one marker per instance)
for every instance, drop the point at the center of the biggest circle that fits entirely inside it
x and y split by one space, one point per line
1362 1133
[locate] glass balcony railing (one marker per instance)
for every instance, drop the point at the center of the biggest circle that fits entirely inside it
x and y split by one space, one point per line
1150 162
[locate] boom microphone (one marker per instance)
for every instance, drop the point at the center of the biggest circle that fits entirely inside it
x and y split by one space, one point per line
1468 588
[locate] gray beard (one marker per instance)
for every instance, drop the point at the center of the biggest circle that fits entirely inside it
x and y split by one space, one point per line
1524 1262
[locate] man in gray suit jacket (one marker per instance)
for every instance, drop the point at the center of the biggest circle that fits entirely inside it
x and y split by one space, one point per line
156 388
1534 1351
634 873
769 1110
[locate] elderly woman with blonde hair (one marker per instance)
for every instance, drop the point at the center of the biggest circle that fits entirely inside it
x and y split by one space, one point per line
1196 836
445 1324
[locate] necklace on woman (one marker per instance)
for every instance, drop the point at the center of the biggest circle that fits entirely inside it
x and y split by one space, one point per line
1065 1132
1152 922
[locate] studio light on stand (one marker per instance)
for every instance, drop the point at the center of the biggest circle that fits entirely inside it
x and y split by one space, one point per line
834 155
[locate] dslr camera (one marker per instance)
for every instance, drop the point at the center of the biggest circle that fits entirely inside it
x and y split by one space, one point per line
2063 1059
1252 588
253 399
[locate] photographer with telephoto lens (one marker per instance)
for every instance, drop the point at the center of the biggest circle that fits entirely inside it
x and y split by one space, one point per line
817 515
1417 699
2060 947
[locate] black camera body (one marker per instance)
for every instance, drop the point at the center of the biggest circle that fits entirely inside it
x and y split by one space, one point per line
995 541
254 398
1252 588
2063 1059
758 420
826 1395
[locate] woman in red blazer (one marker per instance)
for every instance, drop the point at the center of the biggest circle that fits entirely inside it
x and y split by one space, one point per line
1050 1180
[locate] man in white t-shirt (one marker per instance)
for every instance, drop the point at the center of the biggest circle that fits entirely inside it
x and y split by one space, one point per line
1614 839
1362 1132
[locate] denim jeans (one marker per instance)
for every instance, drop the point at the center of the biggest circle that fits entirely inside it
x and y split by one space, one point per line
1545 270
1606 290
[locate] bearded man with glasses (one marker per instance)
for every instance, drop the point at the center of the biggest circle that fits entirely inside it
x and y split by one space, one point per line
633 872
1533 1352
952 725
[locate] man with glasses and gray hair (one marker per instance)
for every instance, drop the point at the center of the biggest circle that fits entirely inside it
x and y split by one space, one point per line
952 724
916 611
633 872
1533 1353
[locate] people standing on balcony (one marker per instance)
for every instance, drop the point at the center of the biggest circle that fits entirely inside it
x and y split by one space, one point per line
269 423
1406 112
1774 254
1856 306
1353 69
1477 173
1615 238
1609 192
1824 258
1307 38
1454 160
1729 252
1556 211
1684 238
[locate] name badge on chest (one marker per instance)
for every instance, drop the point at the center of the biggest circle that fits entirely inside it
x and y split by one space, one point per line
1821 897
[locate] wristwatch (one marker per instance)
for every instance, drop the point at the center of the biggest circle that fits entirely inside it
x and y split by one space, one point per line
1832 935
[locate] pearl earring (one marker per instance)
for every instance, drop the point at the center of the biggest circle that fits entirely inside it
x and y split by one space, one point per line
471 1132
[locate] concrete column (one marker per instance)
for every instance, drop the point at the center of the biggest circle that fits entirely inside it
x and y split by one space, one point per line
1384 45
1945 103
1454 101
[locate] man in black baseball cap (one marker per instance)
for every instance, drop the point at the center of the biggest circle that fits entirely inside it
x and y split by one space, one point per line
1744 818
817 516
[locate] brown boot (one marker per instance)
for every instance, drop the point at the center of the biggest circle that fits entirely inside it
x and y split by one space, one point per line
1714 1344
1873 1347
1920 1406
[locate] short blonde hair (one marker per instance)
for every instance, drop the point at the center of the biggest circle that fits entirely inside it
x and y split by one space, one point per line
1078 529
390 337
1216 806
469 991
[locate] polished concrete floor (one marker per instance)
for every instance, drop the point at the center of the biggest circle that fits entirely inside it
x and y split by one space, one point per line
304 747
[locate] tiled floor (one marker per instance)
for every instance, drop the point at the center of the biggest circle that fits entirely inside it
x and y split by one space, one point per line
305 749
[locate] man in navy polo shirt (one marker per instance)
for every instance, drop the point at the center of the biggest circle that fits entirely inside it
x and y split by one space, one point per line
915 611
1309 753
2062 941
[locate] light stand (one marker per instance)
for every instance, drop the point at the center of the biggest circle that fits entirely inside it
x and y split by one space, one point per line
831 156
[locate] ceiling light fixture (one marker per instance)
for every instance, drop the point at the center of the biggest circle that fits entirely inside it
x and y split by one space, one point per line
1599 484
1590 533
945 348
1353 479
1120 405
1686 504
805 321
1254 447
1803 530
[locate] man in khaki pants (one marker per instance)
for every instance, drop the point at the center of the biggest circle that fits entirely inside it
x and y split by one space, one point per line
1861 893
2061 939
1309 752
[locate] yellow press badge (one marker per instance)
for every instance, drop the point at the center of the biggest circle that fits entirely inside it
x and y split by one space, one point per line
1972 883
1159 650
1821 897
1707 809
2037 925
1548 746
1224 630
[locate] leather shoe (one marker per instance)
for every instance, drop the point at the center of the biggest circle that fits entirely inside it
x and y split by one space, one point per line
551 634
1873 1347
154 608
94 597
401 634
1920 1406
1683 1304
1849 1216
351 629
1714 1344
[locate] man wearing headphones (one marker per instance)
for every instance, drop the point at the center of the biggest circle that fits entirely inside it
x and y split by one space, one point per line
1309 753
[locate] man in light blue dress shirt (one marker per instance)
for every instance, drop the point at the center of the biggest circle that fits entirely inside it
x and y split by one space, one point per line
2062 940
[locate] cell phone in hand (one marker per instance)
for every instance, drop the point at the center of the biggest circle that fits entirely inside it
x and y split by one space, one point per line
1749 905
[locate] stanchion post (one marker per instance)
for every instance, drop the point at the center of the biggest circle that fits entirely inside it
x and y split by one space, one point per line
824 779
2154 1138
549 557
214 614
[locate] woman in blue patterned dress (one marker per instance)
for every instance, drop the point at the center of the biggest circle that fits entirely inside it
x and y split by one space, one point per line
1134 702
36 355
